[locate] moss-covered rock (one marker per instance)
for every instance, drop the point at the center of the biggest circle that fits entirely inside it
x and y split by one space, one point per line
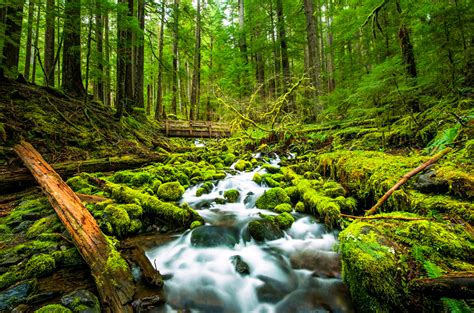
39 265
284 220
271 169
333 189
53 308
172 191
117 217
229 158
47 224
257 178
231 195
195 224
243 165
300 207
263 229
81 301
204 189
284 207
271 198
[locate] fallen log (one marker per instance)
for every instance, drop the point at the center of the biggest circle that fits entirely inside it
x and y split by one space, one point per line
111 273
13 180
405 178
458 286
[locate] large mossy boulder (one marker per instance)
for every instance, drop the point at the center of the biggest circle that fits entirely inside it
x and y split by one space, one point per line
40 265
172 191
232 195
271 198
263 229
81 301
382 257
243 165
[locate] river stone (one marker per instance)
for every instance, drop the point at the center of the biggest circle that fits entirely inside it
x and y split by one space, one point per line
321 263
240 266
262 230
17 294
428 182
272 289
82 301
214 236
148 304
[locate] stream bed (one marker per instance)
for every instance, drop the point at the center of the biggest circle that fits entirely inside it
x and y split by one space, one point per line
219 267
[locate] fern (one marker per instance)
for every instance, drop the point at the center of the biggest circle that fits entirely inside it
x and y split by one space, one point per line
432 269
447 137
456 306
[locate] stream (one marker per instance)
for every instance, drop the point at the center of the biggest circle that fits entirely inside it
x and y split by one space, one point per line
220 268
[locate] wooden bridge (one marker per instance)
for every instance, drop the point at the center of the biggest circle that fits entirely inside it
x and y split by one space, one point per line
195 129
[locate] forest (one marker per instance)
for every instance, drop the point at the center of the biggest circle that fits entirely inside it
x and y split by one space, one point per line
236 156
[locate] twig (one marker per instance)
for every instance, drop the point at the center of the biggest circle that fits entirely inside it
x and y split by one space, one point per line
386 218
62 115
405 179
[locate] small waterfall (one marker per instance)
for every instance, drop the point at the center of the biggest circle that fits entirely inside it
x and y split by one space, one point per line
224 270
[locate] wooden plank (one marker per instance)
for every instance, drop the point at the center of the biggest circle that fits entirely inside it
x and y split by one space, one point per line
114 281
194 129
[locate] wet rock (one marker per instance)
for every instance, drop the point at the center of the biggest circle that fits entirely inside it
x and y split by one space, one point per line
240 266
214 236
262 230
428 182
17 294
203 299
11 259
321 263
21 308
42 297
231 195
82 301
147 304
272 290
249 197
31 216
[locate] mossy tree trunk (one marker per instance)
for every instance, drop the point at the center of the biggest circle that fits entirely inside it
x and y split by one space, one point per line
111 273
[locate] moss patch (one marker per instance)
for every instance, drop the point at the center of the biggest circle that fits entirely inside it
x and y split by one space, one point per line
271 198
172 191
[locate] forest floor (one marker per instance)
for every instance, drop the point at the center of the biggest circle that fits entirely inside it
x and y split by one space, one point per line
339 170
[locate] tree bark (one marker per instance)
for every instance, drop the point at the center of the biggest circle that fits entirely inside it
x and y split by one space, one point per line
285 64
175 74
405 178
107 100
38 16
140 55
159 96
196 82
99 26
11 46
313 48
29 38
114 280
72 76
49 44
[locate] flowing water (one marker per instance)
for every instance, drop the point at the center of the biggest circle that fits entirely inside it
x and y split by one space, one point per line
221 269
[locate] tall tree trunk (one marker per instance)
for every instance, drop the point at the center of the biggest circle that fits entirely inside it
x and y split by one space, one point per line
49 44
11 47
35 45
59 43
276 55
313 48
72 77
124 55
175 73
330 59
159 96
242 33
88 51
140 55
285 64
107 101
29 38
99 26
196 82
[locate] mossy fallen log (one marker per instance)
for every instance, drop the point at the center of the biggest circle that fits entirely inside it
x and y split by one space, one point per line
457 286
13 180
110 271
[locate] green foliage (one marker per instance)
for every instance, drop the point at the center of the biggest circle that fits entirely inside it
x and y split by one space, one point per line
231 195
271 198
39 265
171 191
53 308
284 220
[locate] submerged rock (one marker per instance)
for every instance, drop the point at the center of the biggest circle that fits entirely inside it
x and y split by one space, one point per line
321 263
15 295
214 236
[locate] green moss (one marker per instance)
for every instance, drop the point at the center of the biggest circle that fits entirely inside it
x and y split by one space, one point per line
68 257
53 308
293 193
141 178
171 191
231 195
257 178
195 224
80 184
8 278
333 189
39 265
243 165
284 220
204 189
156 183
300 207
170 213
39 206
284 207
271 198
271 169
268 180
47 224
118 218
229 158
425 204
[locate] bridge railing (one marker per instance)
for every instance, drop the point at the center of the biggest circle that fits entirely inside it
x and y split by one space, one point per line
174 128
